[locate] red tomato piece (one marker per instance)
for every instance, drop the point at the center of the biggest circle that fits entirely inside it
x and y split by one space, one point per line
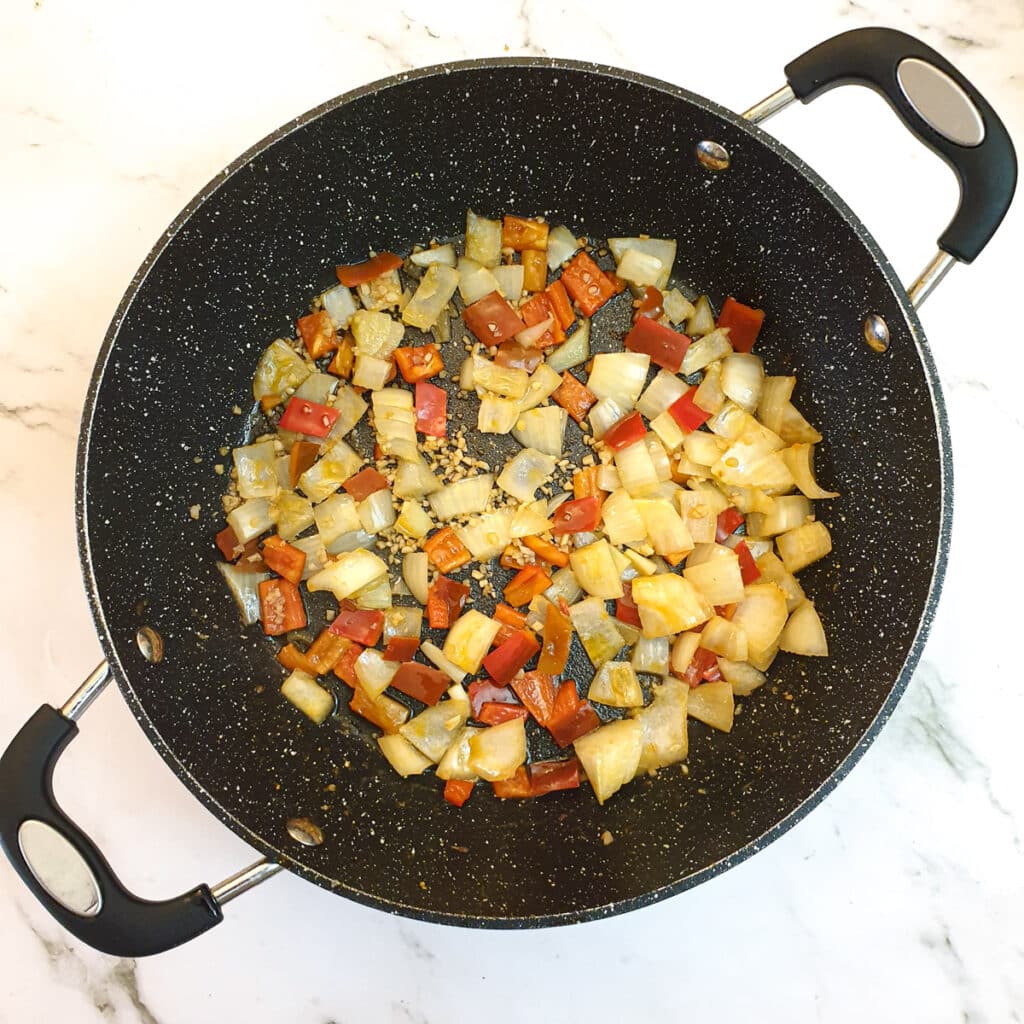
305 417
283 559
665 346
431 409
359 273
687 414
744 323
587 283
626 432
748 567
505 661
494 713
421 682
577 516
281 608
550 776
366 482
492 319
364 627
729 521
401 648
571 717
445 600
458 791
537 692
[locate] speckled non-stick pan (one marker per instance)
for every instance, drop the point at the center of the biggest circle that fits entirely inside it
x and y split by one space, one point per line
607 152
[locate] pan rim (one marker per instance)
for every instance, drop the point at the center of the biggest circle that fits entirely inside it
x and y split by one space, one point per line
710 871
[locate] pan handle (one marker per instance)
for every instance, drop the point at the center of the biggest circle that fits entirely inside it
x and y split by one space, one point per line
82 892
939 106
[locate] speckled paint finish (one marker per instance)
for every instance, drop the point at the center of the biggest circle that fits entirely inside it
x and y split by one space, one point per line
610 153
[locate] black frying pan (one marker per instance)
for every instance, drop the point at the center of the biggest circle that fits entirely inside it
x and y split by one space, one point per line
608 152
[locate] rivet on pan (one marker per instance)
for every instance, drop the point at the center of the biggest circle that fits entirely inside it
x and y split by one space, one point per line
304 831
712 156
150 643
876 333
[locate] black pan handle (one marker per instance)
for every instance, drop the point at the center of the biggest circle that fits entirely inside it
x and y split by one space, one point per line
117 922
939 106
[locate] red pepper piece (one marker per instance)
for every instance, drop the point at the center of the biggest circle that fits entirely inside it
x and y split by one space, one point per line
744 323
363 627
401 648
305 417
445 600
364 483
431 409
537 692
494 713
686 413
353 274
571 717
748 567
665 346
626 432
729 521
578 516
458 791
505 661
421 682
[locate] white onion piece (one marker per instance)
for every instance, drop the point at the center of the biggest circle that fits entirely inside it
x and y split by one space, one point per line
483 239
315 552
761 615
336 515
251 519
530 338
703 448
604 415
543 383
395 423
595 570
455 763
800 460
508 381
787 513
244 587
337 462
748 465
340 305
639 268
431 297
662 463
283 472
317 387
709 395
663 390
292 513
377 511
650 654
256 468
557 501
497 752
509 279
574 351
349 573
803 633
562 245
464 497
415 572
382 292
662 249
773 571
374 673
705 350
710 496
636 469
743 678
564 585
669 604
434 729
376 334
703 320
616 685
303 691
370 372
800 547
413 521
700 518
497 415
684 647
436 655
720 636
639 565
665 528
488 535
593 625
350 408
525 472
620 376
663 724
402 755
279 369
438 254
466 381
712 704
608 478
795 429
742 379
775 395
541 429
406 622
469 639
475 281
677 306
530 519
413 479
610 756
351 542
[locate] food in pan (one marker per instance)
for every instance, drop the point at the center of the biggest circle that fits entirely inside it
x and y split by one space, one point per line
652 519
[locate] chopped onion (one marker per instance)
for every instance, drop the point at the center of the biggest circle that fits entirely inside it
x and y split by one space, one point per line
700 518
524 473
350 409
788 512
376 334
705 350
469 639
278 370
256 469
543 383
315 552
639 268
610 756
743 379
483 239
775 395
743 678
731 422
377 511
574 351
604 415
619 375
640 566
710 496
488 535
302 690
684 647
395 423
413 521
317 387
244 587
677 306
340 305
636 469
283 472
336 515
497 415
382 292
466 382
509 279
608 478
496 753
374 673
541 429
530 519
351 542
709 395
720 636
431 297
795 429
773 571
415 570
503 380
662 464
800 460
562 245
651 655
662 249
615 684
438 254
376 595
292 513
531 337
475 281
803 633
712 704
595 570
413 479
663 725
406 622
251 519
703 320
665 528
350 572
455 763
669 604
663 390
462 498
434 729
402 755
761 615
370 372
749 465
436 655
600 639
564 585
703 448
800 547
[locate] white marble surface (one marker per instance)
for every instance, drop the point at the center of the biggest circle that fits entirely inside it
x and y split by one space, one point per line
900 899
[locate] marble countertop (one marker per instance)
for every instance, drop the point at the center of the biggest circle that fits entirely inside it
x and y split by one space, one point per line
900 899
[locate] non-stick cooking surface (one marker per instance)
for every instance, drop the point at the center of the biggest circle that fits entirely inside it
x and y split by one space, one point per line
607 153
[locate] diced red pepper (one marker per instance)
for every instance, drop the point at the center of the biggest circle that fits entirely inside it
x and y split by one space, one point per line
547 551
419 362
493 713
364 483
625 609
514 356
317 333
560 304
587 283
729 521
686 413
232 548
483 691
326 651
431 409
458 791
748 567
445 601
550 776
509 621
269 402
575 398
577 516
650 304
703 668
744 323
665 346
305 417
362 626
359 273
536 311
526 585
445 550
584 483
345 666
300 458
401 648
281 608
618 285
571 717
344 359
537 692
556 640
518 787
726 611
283 559
535 270
492 319
387 714
292 658
505 661
421 682
511 558
523 233
626 432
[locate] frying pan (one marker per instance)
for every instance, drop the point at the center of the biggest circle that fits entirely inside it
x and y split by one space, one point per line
605 151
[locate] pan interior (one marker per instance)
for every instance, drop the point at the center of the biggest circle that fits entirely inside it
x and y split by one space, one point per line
607 154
